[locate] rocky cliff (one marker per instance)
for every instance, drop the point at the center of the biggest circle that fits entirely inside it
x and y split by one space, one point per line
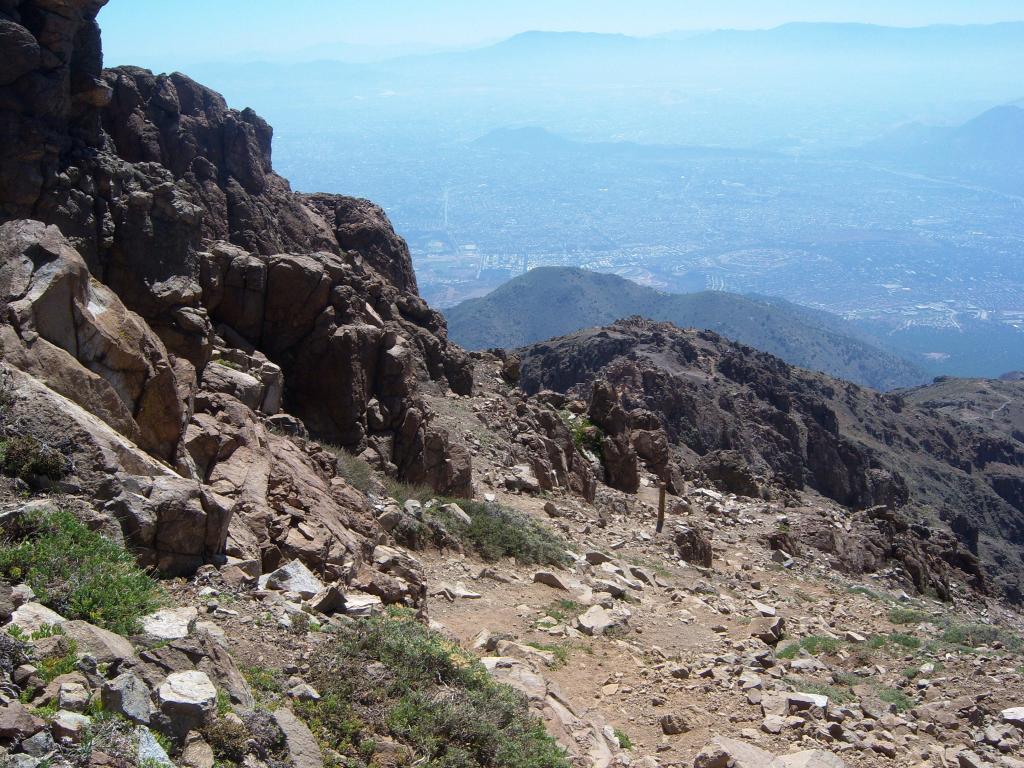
757 426
161 284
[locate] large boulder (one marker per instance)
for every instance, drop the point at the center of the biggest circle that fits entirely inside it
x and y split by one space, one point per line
76 336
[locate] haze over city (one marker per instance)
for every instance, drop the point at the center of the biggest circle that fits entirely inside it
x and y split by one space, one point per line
862 159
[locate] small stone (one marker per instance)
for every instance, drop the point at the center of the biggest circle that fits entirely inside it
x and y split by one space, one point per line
672 725
72 696
197 753
304 692
69 727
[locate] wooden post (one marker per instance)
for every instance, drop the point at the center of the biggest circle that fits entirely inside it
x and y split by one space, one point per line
661 507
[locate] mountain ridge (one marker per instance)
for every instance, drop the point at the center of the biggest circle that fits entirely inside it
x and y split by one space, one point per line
554 301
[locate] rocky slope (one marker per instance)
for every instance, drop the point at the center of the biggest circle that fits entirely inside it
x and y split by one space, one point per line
554 301
159 276
750 421
210 379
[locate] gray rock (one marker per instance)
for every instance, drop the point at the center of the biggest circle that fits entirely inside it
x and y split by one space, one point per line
809 758
69 727
102 644
295 577
723 752
303 751
40 745
148 750
127 695
673 725
597 620
361 605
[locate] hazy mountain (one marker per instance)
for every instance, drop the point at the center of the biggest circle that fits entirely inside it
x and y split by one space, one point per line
988 149
553 301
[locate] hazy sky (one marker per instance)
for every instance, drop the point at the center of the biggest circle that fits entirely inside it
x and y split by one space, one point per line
147 31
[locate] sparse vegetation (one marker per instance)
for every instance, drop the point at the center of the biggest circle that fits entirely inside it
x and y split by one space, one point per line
354 469
402 492
896 697
28 459
560 651
586 436
907 616
266 685
495 532
79 573
624 741
563 610
975 635
813 644
59 662
391 675
835 694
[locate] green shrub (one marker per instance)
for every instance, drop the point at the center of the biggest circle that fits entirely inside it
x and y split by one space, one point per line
354 469
974 635
402 492
586 436
624 741
26 458
896 697
391 675
228 738
813 644
78 573
495 532
907 616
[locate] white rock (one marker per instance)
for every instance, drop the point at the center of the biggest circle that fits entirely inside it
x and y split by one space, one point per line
189 699
169 623
360 605
31 617
1014 716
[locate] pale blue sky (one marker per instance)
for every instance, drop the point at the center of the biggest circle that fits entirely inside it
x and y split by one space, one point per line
147 32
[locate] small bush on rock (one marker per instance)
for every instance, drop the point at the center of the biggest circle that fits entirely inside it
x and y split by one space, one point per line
79 573
28 459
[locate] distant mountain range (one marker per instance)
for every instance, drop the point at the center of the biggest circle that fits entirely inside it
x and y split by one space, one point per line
987 150
554 301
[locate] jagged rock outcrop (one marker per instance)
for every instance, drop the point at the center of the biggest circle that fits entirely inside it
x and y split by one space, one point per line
758 426
170 199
